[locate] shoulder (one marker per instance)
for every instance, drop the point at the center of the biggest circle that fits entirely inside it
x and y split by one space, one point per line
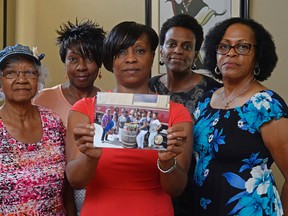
178 107
264 106
155 78
154 82
48 114
47 93
86 106
84 103
211 82
268 100
178 113
51 90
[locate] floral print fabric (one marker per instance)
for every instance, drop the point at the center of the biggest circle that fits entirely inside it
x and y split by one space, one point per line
232 174
32 175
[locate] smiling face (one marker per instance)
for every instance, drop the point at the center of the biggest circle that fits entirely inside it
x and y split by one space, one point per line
132 66
21 88
178 51
80 72
233 65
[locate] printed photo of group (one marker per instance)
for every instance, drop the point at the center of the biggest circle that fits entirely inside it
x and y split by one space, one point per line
136 121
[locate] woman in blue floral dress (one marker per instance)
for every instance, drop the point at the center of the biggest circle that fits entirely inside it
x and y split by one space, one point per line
241 128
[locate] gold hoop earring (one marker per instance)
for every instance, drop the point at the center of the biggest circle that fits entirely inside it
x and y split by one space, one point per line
99 75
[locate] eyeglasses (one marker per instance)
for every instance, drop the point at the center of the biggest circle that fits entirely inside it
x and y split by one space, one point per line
10 74
240 48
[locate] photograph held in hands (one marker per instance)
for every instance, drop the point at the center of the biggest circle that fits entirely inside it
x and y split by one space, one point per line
134 121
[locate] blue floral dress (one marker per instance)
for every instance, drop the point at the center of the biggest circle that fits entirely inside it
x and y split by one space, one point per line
232 174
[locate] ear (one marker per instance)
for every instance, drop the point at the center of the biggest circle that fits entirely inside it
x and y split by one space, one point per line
153 54
161 51
196 55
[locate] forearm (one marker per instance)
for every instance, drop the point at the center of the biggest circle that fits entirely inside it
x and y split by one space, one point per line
81 171
180 148
68 198
173 183
284 198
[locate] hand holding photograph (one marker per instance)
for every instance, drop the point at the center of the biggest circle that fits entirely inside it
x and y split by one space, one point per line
135 121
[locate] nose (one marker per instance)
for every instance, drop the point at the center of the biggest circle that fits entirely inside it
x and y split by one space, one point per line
82 65
178 50
232 51
21 77
130 57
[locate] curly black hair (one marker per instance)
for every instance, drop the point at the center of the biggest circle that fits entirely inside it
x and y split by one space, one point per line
85 37
124 35
266 57
185 21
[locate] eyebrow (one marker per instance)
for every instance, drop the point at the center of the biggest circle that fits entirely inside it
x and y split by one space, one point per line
237 41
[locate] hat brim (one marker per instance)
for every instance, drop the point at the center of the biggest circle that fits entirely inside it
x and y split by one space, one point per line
32 57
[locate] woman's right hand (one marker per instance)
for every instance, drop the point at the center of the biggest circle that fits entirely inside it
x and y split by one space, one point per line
84 135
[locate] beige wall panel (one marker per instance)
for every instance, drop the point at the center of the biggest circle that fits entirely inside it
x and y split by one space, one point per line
37 20
273 15
1 23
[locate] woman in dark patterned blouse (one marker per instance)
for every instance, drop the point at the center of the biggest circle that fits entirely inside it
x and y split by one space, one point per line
180 39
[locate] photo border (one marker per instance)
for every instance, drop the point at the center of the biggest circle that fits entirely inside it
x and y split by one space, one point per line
127 102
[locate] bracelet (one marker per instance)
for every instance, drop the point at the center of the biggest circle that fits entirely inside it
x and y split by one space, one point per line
168 170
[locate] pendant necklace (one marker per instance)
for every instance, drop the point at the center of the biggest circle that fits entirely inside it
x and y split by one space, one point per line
227 102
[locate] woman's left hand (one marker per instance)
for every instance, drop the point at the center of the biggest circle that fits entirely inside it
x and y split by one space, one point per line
176 139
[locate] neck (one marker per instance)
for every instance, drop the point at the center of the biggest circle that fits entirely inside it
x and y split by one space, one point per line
81 93
135 90
17 112
73 94
232 87
180 81
230 97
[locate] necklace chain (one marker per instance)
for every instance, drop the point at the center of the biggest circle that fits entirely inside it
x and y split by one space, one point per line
227 102
73 96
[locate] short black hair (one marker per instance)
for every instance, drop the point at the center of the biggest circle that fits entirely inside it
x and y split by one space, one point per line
85 37
185 21
124 35
266 56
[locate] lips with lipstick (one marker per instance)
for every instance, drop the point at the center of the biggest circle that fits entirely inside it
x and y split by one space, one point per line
131 71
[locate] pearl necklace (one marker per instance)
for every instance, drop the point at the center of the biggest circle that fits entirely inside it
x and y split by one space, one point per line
227 102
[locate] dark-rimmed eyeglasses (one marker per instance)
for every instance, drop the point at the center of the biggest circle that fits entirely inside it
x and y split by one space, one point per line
240 48
11 74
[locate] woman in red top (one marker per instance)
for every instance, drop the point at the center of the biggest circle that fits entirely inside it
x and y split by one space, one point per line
128 181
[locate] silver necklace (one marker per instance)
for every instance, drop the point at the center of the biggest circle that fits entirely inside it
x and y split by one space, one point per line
227 102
